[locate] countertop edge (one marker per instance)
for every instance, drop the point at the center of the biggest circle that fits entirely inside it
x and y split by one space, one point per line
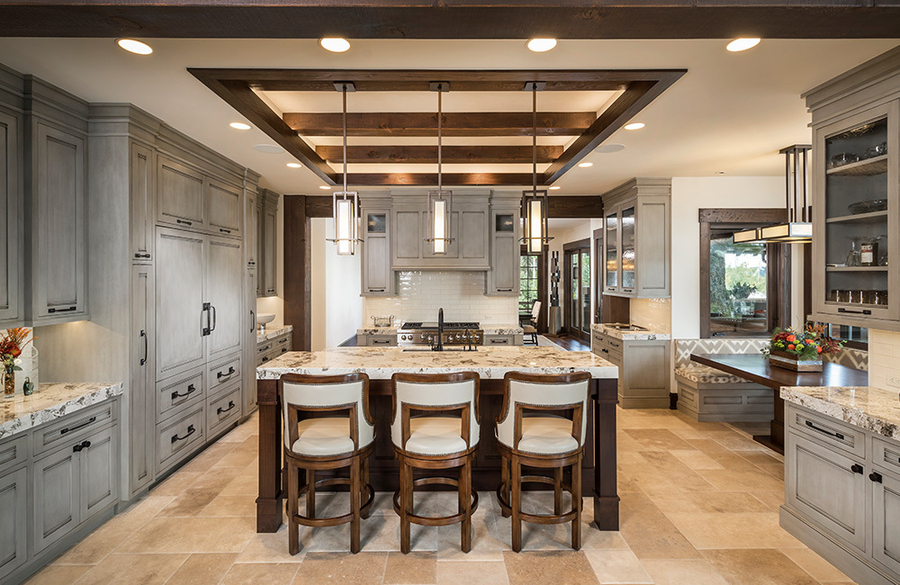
800 395
91 394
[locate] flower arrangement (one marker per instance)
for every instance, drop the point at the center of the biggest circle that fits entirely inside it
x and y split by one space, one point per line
11 345
806 346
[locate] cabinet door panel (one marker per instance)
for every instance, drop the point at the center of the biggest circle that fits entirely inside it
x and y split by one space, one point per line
653 248
505 271
141 436
13 538
99 472
180 195
377 265
472 235
9 219
270 260
224 208
60 238
57 498
249 386
407 235
142 189
180 294
886 528
251 232
224 274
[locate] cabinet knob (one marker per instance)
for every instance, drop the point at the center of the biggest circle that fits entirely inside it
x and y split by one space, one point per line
857 468
875 476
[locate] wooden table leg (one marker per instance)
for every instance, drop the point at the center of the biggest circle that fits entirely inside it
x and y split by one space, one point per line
775 439
269 501
606 498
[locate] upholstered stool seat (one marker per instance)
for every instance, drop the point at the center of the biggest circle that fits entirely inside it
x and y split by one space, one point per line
435 435
321 437
547 435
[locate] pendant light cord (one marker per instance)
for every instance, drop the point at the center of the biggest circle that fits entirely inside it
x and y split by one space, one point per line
534 136
345 138
439 115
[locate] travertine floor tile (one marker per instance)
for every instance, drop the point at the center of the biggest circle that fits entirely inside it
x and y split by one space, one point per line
649 533
190 535
266 547
720 502
365 568
482 573
733 530
757 567
202 568
658 439
570 567
95 547
677 472
617 566
683 573
58 575
175 484
190 503
697 459
819 568
413 568
230 506
209 457
255 573
728 480
147 569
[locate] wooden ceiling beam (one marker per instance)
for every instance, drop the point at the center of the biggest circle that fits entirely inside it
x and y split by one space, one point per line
428 154
447 179
453 123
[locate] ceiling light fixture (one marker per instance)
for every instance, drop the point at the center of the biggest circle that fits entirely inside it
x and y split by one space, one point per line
268 149
541 44
240 126
555 187
326 187
439 202
134 46
347 205
585 165
535 204
634 126
741 44
294 165
334 44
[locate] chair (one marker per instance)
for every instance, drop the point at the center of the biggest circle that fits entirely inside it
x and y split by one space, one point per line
531 328
435 427
323 441
531 433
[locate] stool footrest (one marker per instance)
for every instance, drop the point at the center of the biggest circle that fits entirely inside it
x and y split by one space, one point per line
334 520
435 520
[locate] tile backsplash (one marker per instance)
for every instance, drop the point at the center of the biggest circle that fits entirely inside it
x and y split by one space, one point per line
461 294
884 358
654 314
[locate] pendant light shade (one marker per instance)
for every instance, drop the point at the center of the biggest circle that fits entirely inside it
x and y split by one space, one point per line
440 201
535 203
346 203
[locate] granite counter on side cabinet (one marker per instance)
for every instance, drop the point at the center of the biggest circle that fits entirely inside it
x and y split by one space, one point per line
50 402
273 333
646 335
872 409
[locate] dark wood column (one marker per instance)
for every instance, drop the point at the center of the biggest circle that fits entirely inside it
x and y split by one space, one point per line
296 271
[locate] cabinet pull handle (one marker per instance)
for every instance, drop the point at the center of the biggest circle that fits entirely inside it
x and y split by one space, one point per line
821 430
58 310
224 231
857 468
265 359
76 427
252 321
204 331
627 290
77 448
614 344
220 375
190 431
380 342
504 290
221 410
184 222
85 444
142 255
146 347
190 390
863 312
499 341
875 476
283 350
214 318
376 290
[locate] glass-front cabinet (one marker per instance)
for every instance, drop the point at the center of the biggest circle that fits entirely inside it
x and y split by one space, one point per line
612 252
856 212
627 223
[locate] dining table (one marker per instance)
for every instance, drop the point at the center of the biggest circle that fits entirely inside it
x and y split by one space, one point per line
757 368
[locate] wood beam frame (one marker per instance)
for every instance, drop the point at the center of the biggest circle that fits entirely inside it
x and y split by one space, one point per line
453 124
449 154
561 206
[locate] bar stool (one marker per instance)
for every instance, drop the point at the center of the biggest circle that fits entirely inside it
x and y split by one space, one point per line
426 437
531 433
324 442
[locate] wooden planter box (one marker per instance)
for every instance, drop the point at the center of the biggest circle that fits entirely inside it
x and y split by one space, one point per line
789 361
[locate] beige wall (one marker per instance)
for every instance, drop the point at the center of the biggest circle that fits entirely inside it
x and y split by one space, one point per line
884 359
337 308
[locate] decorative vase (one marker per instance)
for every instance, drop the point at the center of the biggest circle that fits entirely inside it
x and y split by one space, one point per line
789 361
9 383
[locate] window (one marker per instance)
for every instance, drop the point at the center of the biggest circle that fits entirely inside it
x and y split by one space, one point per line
855 337
528 282
738 287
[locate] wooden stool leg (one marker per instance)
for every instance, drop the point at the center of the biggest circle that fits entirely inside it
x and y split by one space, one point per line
557 490
293 485
465 505
504 482
516 504
405 504
311 493
363 491
354 505
576 502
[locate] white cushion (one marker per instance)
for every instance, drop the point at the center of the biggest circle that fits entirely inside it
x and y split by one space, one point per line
321 437
702 374
435 435
547 435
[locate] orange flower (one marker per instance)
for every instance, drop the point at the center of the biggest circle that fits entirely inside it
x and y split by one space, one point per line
818 350
790 346
791 338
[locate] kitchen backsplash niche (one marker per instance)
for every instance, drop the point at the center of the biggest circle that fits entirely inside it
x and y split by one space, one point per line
654 314
461 294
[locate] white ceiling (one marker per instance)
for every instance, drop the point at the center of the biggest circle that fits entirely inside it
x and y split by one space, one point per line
731 112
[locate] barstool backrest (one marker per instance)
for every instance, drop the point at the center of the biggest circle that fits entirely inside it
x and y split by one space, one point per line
439 394
542 392
350 392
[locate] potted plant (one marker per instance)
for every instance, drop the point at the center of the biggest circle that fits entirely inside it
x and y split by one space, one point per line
800 351
11 345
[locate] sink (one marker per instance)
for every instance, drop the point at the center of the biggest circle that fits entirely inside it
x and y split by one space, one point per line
263 318
428 349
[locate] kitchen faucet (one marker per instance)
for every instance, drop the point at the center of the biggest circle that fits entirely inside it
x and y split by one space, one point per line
440 336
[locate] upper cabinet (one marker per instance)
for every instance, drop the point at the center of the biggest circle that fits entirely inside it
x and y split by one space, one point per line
503 277
856 196
268 243
180 200
251 226
637 220
377 276
11 283
143 178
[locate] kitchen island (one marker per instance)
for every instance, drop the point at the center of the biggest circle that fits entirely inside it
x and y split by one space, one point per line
491 364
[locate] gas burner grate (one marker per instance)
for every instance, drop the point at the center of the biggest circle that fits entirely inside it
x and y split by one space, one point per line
461 325
412 325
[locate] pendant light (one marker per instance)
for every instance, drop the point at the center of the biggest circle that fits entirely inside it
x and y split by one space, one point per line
439 202
346 203
534 202
798 229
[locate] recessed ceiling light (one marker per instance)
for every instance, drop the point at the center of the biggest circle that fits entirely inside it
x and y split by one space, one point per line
741 44
294 165
541 45
268 148
555 187
720 172
585 165
609 148
334 44
326 187
634 126
240 126
133 46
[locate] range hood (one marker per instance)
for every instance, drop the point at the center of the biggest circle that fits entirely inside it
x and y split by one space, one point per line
798 229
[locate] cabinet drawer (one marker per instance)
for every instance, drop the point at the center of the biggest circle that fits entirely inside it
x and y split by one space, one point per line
173 396
223 409
381 340
69 428
225 373
264 348
829 431
176 440
884 453
13 452
284 341
499 340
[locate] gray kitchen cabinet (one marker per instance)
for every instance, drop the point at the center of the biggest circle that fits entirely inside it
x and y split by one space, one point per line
57 498
143 189
224 293
251 227
268 350
381 340
643 369
250 344
885 516
224 206
503 277
10 220
13 520
99 472
182 318
180 197
142 400
495 340
377 276
269 237
260 244
637 220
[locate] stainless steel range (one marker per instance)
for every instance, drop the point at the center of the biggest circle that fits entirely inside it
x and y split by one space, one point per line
460 333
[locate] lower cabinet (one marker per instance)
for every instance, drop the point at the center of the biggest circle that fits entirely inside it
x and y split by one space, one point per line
886 519
643 369
381 340
13 521
495 340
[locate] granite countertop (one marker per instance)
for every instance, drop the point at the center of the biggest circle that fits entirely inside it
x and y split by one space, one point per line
488 330
488 362
372 330
648 335
50 402
872 409
272 333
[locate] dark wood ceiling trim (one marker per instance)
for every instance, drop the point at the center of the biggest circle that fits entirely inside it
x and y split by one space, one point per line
428 154
575 206
448 179
453 124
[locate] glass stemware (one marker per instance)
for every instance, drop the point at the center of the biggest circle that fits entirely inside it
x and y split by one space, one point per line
853 256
